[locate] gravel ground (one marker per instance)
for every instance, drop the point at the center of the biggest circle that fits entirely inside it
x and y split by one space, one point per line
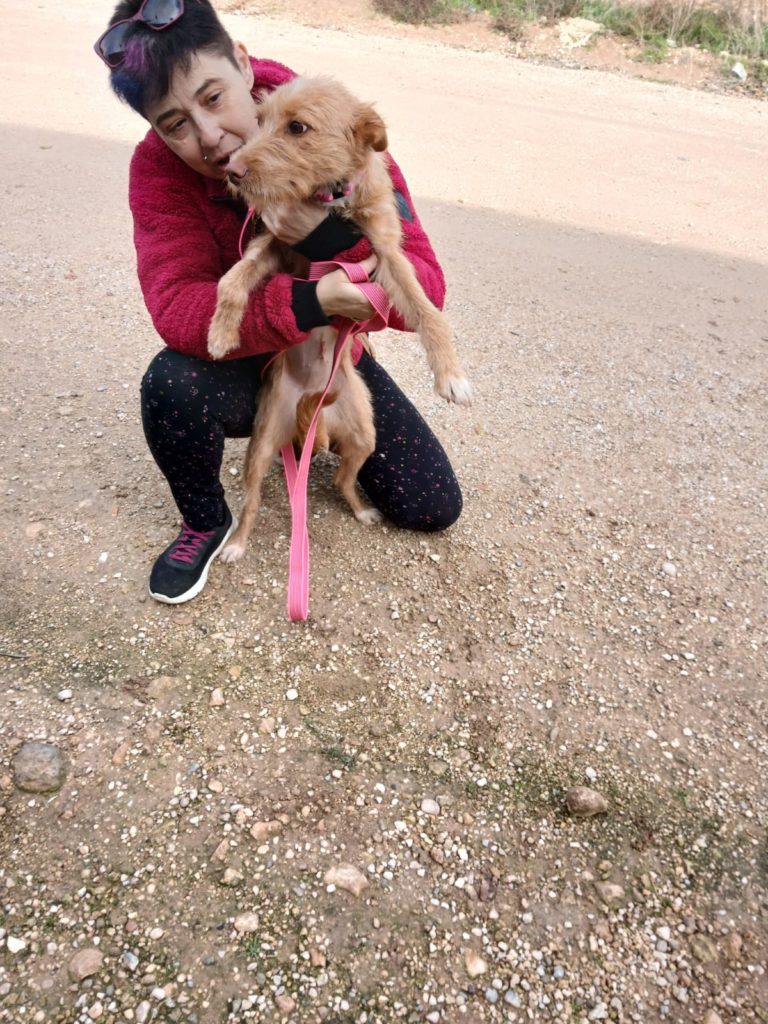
370 817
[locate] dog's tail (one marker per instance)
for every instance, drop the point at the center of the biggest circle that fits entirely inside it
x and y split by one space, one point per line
305 410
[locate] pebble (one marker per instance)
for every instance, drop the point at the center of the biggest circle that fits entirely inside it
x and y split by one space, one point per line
142 1012
156 933
474 964
65 695
247 922
262 830
599 1012
231 877
609 892
703 948
512 998
129 960
430 807
583 802
215 786
712 1017
317 958
96 1011
217 698
733 945
491 995
292 694
15 945
346 876
85 963
285 1004
39 768
669 569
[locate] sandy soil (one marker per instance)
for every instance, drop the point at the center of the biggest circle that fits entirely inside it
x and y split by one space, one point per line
597 617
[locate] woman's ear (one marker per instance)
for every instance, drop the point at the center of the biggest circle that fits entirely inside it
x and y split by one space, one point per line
244 63
370 129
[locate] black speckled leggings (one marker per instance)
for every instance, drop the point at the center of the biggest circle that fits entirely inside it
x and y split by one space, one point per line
189 406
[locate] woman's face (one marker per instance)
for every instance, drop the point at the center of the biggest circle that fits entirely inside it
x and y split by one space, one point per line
208 112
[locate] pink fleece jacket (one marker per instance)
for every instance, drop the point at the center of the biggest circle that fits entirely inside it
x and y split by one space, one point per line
186 236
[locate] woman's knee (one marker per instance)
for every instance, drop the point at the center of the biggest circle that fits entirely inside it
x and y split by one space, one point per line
432 517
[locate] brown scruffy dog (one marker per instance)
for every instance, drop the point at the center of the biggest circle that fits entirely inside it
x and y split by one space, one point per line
314 135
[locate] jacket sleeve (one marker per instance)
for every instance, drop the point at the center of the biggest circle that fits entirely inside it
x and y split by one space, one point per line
179 265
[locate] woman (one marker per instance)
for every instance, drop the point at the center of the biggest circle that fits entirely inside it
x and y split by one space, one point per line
173 62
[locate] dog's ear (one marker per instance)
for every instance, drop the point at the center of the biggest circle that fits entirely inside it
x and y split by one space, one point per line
369 129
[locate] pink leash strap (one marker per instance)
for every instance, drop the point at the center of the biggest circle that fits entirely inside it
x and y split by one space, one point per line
296 477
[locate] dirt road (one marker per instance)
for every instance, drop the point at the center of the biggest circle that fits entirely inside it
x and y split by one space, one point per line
597 617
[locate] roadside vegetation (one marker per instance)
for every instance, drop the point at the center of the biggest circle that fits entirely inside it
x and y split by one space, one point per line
733 28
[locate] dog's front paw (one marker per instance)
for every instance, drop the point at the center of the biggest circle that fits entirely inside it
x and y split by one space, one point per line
220 339
369 516
454 389
233 552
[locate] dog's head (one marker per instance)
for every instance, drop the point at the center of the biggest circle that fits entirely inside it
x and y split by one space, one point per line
312 133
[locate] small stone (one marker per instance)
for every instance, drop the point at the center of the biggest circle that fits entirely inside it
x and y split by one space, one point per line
158 993
63 695
96 1011
142 1012
217 699
703 948
285 1004
609 892
129 960
247 923
474 964
266 726
733 945
221 851
599 1012
738 70
156 933
669 569
215 786
15 945
712 1017
262 830
231 877
317 958
438 767
348 877
85 963
512 998
292 694
430 806
491 995
583 802
39 768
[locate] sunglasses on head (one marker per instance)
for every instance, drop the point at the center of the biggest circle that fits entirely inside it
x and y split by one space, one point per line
156 14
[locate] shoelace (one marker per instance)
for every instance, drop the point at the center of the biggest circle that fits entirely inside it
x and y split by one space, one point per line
188 545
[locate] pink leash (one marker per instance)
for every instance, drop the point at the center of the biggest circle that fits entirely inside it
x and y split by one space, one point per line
296 477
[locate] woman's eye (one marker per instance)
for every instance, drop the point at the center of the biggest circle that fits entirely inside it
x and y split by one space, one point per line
212 100
298 128
176 127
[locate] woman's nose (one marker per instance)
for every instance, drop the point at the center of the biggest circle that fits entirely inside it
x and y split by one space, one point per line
209 133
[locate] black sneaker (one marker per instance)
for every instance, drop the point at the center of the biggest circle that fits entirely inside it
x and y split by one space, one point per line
181 572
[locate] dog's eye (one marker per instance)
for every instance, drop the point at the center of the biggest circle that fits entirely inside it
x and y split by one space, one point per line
298 127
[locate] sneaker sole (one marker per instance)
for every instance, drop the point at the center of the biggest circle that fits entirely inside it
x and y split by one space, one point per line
195 589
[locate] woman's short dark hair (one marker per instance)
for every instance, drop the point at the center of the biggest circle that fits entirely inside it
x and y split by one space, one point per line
153 57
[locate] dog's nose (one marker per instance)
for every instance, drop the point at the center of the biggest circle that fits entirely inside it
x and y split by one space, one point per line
236 168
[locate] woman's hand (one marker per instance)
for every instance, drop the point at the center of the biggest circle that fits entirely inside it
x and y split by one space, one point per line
339 297
292 222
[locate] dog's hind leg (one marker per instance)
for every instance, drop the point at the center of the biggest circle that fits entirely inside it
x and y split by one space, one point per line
266 440
353 436
232 295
